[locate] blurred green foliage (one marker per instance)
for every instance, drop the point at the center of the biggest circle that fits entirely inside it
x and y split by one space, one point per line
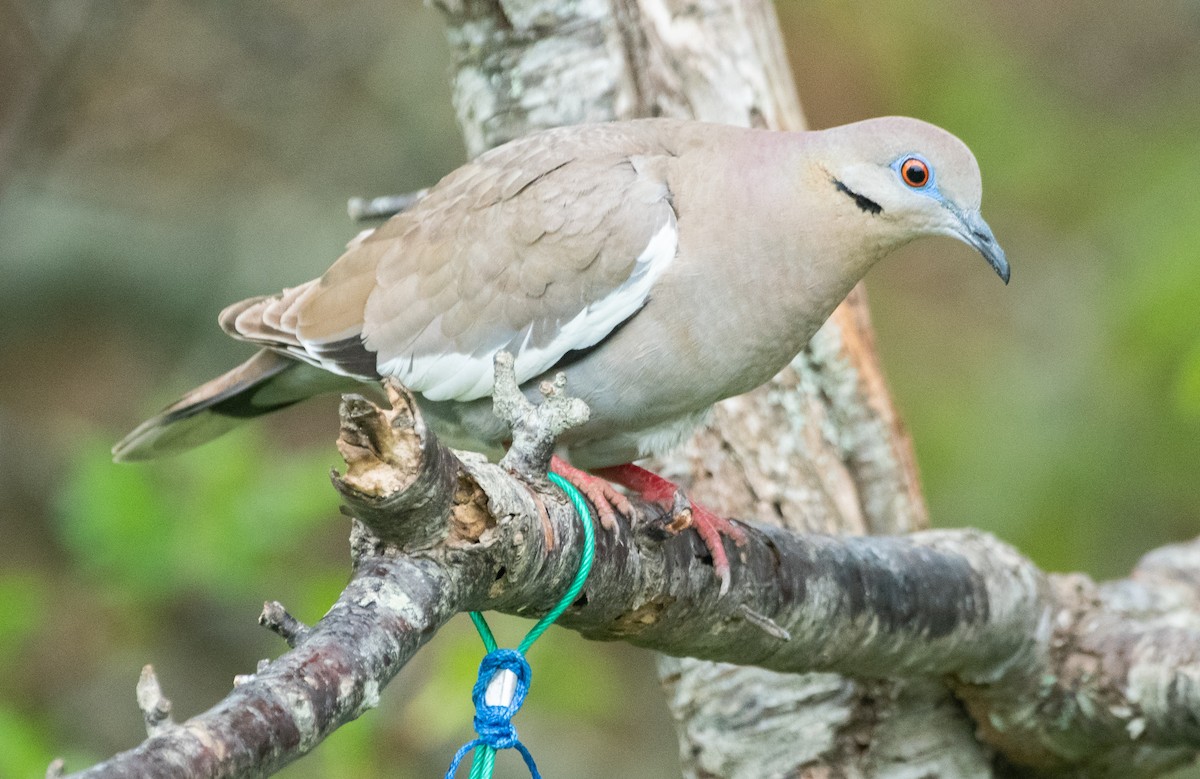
223 521
24 750
159 161
23 600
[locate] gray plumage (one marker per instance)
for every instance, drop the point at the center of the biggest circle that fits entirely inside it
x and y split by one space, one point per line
663 264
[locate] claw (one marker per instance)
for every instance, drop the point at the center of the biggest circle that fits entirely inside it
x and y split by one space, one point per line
711 528
680 513
684 513
602 495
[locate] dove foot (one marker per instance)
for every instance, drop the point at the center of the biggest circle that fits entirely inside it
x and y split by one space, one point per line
684 513
602 495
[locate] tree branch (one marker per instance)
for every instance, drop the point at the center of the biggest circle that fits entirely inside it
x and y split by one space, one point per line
392 606
1062 672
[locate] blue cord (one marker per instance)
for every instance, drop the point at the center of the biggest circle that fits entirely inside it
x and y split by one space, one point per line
493 723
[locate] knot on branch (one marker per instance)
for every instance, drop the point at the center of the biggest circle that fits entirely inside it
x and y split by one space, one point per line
535 428
399 480
381 446
410 492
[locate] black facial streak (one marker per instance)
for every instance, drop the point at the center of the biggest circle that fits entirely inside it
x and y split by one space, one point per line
862 201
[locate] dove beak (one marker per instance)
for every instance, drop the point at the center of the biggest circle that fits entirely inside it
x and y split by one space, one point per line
973 231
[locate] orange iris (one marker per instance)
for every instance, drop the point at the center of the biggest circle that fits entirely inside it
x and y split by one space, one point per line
914 172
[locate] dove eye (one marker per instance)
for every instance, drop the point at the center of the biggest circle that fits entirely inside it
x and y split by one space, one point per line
915 172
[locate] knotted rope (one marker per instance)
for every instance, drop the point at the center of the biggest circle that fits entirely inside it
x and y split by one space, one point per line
504 674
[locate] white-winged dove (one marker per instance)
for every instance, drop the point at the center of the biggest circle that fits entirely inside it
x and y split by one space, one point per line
663 265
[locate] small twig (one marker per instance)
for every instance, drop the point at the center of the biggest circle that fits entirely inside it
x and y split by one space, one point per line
156 709
361 209
240 679
534 428
276 619
389 609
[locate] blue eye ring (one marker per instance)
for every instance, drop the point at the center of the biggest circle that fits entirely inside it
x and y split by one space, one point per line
915 172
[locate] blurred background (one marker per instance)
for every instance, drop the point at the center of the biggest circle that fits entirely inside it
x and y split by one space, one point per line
160 160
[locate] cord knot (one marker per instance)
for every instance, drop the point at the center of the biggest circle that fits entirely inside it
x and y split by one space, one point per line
503 682
498 693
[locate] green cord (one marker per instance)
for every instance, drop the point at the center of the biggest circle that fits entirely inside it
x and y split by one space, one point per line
484 760
484 763
485 632
585 565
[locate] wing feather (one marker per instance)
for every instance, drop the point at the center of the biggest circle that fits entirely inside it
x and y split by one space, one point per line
542 247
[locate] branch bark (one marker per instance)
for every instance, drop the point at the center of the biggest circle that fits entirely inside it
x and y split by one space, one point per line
391 607
1064 675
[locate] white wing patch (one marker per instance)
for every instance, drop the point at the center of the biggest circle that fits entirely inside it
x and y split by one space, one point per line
465 377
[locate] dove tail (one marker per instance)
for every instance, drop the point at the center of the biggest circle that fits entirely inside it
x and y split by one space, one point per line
266 382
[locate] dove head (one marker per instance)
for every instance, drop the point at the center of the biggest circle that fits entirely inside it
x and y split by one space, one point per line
910 179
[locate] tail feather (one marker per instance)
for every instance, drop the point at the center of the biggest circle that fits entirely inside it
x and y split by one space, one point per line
266 382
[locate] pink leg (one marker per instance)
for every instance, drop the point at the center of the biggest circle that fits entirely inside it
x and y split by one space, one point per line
656 489
607 501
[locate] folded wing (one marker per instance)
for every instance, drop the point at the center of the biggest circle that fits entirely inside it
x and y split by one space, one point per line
541 247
